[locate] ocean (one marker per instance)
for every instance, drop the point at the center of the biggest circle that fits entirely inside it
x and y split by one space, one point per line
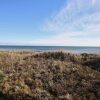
72 49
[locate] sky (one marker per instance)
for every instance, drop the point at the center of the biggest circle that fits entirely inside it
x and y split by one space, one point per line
50 22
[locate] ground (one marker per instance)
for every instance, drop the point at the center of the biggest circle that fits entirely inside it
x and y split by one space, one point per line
28 75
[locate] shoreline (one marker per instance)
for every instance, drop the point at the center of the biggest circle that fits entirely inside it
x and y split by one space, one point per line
52 51
70 49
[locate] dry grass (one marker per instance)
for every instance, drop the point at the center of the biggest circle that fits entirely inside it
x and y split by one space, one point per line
27 75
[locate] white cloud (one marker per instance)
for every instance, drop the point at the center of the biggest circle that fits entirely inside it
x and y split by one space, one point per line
77 19
68 41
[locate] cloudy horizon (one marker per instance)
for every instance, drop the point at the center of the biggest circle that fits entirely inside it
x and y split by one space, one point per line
62 23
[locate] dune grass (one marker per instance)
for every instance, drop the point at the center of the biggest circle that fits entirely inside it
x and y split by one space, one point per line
27 75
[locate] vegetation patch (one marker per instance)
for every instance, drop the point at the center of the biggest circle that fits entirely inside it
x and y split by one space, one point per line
27 75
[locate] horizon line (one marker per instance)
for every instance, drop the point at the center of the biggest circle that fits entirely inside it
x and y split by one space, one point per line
48 45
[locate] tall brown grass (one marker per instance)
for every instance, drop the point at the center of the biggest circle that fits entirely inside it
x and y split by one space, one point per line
27 75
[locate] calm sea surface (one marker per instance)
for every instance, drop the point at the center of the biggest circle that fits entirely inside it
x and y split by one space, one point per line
73 49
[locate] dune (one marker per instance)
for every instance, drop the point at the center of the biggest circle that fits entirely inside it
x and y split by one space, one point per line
28 75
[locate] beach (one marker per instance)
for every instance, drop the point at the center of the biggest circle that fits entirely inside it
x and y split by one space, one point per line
29 75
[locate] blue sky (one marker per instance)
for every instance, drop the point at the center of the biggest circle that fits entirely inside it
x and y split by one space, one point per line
50 22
